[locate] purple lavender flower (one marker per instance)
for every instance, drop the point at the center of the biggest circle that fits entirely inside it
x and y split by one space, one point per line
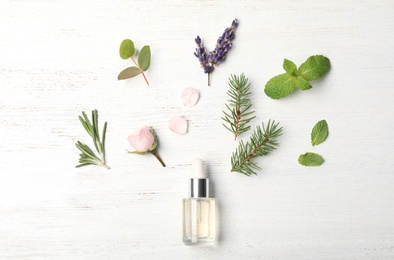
212 59
202 56
223 44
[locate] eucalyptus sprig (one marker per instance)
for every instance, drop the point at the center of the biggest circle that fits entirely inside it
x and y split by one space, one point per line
126 51
88 157
238 116
262 142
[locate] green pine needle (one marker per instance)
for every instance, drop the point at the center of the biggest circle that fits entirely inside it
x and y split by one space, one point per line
88 156
238 115
262 142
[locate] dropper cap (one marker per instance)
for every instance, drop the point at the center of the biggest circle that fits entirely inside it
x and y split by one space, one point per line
199 183
198 169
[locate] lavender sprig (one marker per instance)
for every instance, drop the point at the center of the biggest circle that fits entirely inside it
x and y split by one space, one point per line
202 56
212 59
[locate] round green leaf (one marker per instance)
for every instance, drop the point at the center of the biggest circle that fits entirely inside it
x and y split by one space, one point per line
129 73
127 49
144 58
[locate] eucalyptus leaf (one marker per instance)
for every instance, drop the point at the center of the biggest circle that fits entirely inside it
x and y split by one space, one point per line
319 132
144 58
280 86
314 67
310 159
129 73
289 67
127 49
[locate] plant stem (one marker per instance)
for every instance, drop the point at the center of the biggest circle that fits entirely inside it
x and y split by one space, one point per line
103 162
238 112
105 166
142 72
158 157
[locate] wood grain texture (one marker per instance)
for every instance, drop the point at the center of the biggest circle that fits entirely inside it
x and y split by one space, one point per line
58 58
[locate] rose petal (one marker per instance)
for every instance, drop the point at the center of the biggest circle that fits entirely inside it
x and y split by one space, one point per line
142 139
190 97
178 124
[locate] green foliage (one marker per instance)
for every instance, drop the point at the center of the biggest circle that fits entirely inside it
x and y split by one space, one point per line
284 84
262 142
280 86
289 67
129 73
144 58
310 159
319 132
88 157
127 50
238 116
314 67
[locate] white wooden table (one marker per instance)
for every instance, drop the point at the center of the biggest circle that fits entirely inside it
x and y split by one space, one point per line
59 58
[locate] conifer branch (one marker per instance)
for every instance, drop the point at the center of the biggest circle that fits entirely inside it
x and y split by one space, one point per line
262 142
238 114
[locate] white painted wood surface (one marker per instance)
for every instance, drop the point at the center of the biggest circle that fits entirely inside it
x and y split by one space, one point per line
58 58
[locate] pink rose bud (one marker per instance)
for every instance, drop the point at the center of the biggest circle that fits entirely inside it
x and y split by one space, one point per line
142 140
190 97
178 124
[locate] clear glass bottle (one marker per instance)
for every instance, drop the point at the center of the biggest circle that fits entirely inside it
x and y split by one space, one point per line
199 210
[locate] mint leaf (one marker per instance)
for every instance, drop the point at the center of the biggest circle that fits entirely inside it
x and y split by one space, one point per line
319 132
314 67
302 84
127 49
144 58
284 84
129 73
310 159
289 67
280 86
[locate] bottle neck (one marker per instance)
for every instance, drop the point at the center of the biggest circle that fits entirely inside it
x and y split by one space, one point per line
199 188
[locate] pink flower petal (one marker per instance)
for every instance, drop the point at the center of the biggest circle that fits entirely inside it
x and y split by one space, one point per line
178 124
190 97
142 139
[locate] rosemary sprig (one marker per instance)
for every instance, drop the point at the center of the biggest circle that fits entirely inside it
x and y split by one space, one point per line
262 142
88 157
238 116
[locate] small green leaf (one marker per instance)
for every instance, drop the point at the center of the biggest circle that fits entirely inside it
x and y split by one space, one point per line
280 86
314 67
129 73
144 58
127 49
319 132
289 67
301 83
310 159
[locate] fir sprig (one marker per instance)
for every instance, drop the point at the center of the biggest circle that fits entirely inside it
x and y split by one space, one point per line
238 116
88 157
262 142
